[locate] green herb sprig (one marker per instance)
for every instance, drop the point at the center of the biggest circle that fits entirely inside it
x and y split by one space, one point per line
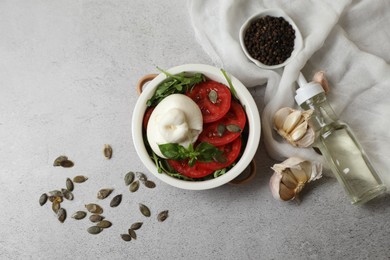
179 83
203 152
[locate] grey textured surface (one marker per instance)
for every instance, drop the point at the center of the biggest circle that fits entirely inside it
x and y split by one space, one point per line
68 71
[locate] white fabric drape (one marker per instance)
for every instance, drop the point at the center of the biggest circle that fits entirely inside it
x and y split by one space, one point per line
349 40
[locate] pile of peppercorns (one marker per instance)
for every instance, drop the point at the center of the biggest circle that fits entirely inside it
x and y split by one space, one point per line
270 40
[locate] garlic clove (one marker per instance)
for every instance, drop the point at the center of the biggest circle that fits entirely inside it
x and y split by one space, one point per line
291 176
299 131
291 121
280 117
293 125
320 78
307 139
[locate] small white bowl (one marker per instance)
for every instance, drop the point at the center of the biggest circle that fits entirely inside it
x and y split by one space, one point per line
298 42
253 120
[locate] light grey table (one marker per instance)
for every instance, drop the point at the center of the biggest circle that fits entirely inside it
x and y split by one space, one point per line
68 71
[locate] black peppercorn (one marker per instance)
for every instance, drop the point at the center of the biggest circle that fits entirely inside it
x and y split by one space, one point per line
270 40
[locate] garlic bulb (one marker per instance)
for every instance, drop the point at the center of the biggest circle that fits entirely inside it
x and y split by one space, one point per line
291 176
293 125
320 78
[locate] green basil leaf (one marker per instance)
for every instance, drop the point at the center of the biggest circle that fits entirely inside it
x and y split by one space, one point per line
170 150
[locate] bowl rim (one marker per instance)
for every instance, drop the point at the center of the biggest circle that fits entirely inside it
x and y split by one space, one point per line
298 42
253 119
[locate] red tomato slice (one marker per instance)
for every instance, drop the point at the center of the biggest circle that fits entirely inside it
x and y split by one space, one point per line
201 169
183 168
231 151
147 115
235 116
211 111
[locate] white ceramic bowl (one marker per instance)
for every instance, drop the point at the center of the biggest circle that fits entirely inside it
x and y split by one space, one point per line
298 42
253 120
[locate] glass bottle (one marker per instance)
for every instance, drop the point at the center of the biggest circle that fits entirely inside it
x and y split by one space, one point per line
340 148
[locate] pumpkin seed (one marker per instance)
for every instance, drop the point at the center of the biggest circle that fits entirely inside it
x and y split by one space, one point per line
94 208
104 224
233 128
61 215
104 193
80 179
221 128
134 186
67 164
96 218
144 210
67 194
141 177
94 230
79 215
69 184
213 96
107 151
132 233
129 178
55 193
163 215
150 184
55 206
136 226
43 199
59 159
116 201
126 237
56 198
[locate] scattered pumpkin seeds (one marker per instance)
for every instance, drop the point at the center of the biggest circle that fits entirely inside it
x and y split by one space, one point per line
67 194
126 237
136 225
80 179
163 215
79 215
144 210
107 151
69 184
96 218
66 164
132 233
149 184
141 177
116 201
233 128
55 193
134 186
94 208
61 215
129 178
221 128
55 206
213 96
94 230
104 224
59 159
104 193
43 199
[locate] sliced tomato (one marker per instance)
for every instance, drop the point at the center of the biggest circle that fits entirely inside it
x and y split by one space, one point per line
231 151
183 168
235 116
212 110
147 115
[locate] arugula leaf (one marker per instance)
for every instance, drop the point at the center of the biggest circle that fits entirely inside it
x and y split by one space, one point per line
232 89
179 83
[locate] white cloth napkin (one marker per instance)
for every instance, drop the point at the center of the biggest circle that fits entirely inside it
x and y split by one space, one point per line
350 41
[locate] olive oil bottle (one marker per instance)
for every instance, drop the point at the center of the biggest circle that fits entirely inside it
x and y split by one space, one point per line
340 148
